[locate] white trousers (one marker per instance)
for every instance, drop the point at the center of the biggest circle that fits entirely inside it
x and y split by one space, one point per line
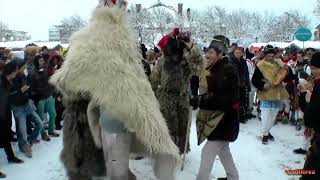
268 116
251 100
116 149
209 153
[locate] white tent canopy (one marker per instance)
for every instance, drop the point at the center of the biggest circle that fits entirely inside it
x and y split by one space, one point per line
307 44
15 44
50 45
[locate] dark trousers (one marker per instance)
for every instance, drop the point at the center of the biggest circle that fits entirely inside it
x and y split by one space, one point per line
244 102
59 109
313 159
9 152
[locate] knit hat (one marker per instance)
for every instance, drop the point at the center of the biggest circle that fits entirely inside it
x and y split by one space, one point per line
315 60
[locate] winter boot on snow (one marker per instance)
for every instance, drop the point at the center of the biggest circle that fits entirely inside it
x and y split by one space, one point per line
15 160
270 137
265 140
2 175
300 151
285 118
27 148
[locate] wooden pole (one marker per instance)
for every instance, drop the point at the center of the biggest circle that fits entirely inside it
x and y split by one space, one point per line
187 138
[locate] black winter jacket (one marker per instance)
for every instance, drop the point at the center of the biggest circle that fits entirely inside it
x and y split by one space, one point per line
311 115
223 94
39 85
16 97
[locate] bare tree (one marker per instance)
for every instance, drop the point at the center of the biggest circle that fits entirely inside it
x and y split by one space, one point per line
70 25
279 28
316 9
238 25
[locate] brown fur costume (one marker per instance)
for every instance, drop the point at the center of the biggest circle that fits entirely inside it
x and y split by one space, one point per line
80 155
170 80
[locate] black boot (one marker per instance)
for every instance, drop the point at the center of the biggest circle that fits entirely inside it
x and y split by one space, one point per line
265 140
15 160
2 175
222 179
58 127
300 151
270 137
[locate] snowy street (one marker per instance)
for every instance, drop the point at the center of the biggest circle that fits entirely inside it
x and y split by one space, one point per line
253 160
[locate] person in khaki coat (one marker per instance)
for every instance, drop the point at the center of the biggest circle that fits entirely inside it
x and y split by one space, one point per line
267 78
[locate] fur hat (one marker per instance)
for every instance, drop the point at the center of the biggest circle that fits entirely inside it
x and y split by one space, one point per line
315 60
31 50
269 50
220 42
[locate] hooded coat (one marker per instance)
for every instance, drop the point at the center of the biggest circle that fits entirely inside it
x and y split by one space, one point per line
103 67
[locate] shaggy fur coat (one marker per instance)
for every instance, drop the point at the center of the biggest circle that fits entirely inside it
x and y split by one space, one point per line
171 81
267 71
104 67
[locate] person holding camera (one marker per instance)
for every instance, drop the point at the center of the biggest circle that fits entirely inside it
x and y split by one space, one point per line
21 107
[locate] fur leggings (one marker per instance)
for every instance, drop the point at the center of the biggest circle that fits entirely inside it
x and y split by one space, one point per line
81 158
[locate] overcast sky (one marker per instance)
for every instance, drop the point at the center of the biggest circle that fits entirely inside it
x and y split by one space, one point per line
37 16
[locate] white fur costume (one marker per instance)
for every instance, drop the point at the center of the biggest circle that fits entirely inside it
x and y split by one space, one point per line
103 65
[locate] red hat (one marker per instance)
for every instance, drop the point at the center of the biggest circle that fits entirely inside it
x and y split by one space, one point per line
164 41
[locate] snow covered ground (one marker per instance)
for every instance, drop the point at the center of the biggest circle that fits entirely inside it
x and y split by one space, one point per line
253 160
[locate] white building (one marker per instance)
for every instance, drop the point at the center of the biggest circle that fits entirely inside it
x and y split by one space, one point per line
54 34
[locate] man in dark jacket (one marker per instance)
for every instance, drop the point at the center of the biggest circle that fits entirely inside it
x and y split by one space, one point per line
42 93
19 98
242 69
311 118
8 74
222 95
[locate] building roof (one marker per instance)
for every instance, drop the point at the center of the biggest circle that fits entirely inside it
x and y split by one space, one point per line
15 44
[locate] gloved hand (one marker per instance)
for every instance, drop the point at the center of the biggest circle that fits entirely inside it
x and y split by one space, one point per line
194 102
235 106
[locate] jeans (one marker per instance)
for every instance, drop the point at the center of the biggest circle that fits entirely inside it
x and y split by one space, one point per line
47 105
21 113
